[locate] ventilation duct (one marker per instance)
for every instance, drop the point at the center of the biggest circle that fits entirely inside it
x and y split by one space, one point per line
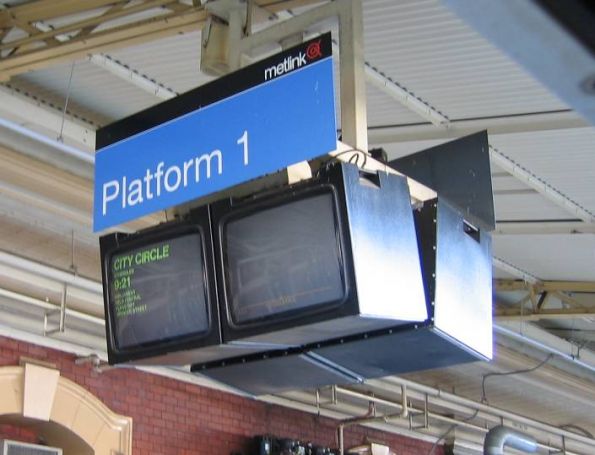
501 436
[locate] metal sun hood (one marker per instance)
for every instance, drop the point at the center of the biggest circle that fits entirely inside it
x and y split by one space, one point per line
455 248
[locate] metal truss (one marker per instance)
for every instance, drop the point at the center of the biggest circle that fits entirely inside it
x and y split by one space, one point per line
77 28
538 295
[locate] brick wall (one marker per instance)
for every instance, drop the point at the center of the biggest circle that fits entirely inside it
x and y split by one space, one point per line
18 433
172 417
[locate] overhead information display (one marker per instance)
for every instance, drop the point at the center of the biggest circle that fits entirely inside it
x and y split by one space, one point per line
250 123
285 259
157 292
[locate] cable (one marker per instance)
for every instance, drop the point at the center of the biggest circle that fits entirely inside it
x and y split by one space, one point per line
484 398
571 426
60 138
452 427
355 161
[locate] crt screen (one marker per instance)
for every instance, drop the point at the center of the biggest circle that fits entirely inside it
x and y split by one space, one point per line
158 292
283 260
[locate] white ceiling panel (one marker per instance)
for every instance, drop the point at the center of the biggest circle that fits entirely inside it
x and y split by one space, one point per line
429 50
92 88
526 205
173 61
384 110
565 159
550 257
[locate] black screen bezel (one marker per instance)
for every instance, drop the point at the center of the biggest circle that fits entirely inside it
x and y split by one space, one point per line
261 204
140 240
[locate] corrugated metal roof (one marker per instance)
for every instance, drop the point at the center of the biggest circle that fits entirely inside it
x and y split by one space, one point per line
563 158
173 61
550 257
526 206
383 110
429 50
92 88
463 76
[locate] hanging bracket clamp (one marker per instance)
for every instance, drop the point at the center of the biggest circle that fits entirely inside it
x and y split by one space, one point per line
61 312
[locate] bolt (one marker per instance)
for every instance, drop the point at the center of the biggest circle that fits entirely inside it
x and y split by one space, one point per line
588 85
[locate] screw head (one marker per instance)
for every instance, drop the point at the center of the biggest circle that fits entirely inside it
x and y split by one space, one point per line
588 85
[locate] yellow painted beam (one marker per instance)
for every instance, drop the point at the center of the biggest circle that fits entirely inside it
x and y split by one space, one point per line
529 315
128 35
40 10
36 35
182 19
549 286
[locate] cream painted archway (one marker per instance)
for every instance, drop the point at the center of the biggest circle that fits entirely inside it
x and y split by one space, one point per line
40 393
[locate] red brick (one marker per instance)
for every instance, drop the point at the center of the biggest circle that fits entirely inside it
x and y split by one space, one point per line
172 417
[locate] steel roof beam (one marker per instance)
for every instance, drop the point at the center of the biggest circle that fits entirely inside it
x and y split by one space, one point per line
142 31
514 271
548 286
120 70
460 127
529 315
48 9
22 109
541 186
132 76
179 18
545 227
81 25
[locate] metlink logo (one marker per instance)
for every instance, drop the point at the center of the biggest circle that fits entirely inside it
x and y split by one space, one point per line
291 63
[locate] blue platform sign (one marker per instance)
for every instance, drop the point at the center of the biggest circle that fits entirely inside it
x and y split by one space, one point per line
253 122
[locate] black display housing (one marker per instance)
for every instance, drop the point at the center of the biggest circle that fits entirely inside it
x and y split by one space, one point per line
169 349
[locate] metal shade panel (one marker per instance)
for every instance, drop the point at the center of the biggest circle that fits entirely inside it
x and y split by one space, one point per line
384 247
404 351
463 284
456 259
459 171
205 353
269 375
457 265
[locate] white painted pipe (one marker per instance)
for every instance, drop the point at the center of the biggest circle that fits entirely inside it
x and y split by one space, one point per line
544 347
443 398
51 273
64 148
50 307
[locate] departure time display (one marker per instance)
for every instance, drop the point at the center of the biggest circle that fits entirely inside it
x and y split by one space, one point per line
157 292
